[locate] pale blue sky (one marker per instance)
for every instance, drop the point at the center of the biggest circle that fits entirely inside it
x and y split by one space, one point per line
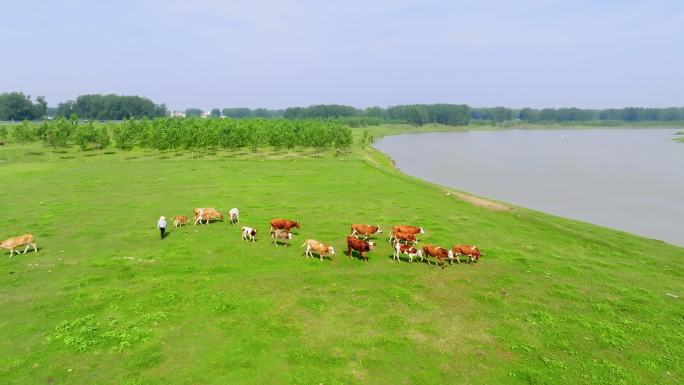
214 53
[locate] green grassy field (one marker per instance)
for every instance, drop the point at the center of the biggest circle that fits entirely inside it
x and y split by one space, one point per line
104 301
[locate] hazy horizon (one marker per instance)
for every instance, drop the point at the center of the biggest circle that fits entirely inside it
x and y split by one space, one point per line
274 54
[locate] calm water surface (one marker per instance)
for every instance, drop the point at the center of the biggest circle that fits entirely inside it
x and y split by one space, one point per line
628 179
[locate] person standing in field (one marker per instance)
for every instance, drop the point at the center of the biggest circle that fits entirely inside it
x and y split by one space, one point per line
161 225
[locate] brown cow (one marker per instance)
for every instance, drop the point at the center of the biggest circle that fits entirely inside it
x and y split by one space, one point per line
206 214
313 246
283 224
280 235
407 250
471 251
23 240
406 237
361 246
365 230
407 229
438 252
180 220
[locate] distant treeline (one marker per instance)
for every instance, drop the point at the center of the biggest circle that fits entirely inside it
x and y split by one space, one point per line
568 115
190 133
17 106
110 107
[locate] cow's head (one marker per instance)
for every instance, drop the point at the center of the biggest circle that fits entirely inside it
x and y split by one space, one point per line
371 245
296 224
421 230
289 235
450 254
331 250
254 232
379 229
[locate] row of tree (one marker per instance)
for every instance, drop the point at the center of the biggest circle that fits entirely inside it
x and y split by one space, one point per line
169 133
17 106
563 115
451 114
110 107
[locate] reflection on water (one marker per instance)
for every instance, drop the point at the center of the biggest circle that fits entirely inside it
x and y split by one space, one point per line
628 179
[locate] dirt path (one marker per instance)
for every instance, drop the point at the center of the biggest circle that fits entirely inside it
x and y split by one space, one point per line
481 202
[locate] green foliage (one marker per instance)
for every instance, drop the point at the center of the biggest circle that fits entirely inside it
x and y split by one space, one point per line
215 113
419 114
87 135
324 111
58 132
24 133
193 112
366 139
17 106
110 107
3 132
125 134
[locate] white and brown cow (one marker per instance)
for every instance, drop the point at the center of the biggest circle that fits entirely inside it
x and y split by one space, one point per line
409 250
206 214
249 234
11 244
281 235
234 215
320 248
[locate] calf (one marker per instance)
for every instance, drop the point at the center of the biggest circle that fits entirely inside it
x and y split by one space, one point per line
406 237
364 230
180 220
23 240
283 224
206 214
438 252
279 235
319 248
234 215
471 251
361 246
407 250
249 234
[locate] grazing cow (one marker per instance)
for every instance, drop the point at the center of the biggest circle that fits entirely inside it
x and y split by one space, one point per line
406 237
407 229
364 230
249 234
180 220
280 235
283 224
407 250
471 251
361 246
319 248
234 215
23 240
438 252
206 214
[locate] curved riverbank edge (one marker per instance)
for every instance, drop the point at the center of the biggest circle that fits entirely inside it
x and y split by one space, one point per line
381 160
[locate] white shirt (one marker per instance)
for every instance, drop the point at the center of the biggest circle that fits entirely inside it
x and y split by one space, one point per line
161 223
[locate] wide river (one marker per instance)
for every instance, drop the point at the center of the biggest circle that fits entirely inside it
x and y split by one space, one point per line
627 179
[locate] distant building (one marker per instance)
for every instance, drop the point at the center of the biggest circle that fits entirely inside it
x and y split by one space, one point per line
177 114
206 114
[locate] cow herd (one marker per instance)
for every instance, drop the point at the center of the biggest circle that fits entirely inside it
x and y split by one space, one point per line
402 238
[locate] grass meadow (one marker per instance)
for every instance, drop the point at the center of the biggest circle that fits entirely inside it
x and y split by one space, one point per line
104 301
